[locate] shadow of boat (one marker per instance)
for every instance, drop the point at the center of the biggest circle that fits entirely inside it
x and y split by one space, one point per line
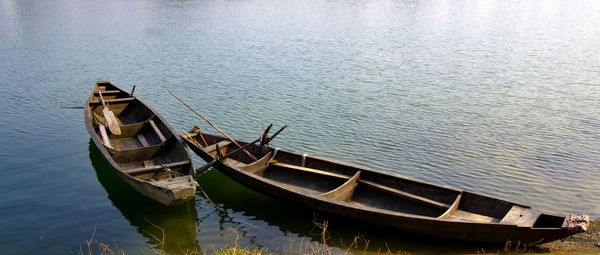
172 229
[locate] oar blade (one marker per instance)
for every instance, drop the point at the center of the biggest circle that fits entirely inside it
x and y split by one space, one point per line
111 121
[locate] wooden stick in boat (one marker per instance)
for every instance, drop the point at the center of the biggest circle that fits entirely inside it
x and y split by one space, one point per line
198 132
214 126
132 90
109 116
203 168
219 158
192 139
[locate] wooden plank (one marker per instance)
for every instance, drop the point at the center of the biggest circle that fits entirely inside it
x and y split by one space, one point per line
312 170
116 100
156 167
521 216
160 134
104 135
148 163
452 208
108 92
406 195
258 167
143 140
460 215
344 192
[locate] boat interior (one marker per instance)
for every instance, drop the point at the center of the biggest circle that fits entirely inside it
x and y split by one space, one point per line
146 149
373 190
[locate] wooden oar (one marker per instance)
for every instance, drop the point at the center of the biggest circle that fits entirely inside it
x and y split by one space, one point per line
214 126
218 158
109 116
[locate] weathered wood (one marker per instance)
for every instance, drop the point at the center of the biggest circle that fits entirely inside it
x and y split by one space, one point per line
156 167
104 135
204 168
142 152
410 196
191 139
213 125
391 200
521 216
109 117
344 192
116 100
452 208
310 170
158 132
143 140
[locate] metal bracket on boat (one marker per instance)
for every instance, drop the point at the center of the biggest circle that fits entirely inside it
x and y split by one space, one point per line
578 223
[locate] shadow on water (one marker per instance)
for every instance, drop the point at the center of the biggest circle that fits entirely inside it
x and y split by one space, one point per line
290 218
150 218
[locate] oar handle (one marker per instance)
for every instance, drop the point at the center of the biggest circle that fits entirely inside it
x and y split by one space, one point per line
101 98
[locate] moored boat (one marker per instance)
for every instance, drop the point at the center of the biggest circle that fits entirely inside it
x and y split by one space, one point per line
383 198
139 144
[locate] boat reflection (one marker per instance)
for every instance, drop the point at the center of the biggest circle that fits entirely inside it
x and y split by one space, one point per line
149 217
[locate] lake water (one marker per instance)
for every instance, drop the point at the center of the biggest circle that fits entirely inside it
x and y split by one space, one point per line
496 97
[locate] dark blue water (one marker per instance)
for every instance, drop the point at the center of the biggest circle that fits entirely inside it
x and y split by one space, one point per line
496 97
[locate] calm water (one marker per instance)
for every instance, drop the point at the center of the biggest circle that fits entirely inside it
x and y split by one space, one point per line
497 97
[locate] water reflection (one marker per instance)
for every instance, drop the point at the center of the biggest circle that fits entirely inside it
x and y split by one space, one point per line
150 218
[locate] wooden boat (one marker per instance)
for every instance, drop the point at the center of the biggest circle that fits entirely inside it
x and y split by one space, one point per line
148 154
384 198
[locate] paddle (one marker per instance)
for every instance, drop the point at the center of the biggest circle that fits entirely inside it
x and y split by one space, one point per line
214 126
109 116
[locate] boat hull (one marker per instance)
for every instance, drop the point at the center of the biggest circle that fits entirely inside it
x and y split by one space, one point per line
434 226
165 196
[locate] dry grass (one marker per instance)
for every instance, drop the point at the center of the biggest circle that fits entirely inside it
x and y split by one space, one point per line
96 247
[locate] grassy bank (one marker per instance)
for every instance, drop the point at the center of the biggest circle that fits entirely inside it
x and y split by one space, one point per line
583 243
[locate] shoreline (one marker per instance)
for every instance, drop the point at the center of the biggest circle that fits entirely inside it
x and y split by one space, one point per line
582 243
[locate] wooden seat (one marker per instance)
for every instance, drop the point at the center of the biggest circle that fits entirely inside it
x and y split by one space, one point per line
452 208
344 192
108 92
115 100
521 216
